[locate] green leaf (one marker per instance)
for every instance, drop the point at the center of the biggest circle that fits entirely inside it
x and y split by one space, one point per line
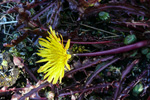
145 51
137 89
103 15
130 39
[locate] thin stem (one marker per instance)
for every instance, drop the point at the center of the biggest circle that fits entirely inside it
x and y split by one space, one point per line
95 73
128 8
89 65
124 73
34 90
117 50
98 42
128 68
86 89
9 91
98 29
30 73
99 70
131 85
10 22
42 11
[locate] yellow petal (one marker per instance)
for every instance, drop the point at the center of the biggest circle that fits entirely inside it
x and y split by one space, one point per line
61 76
56 77
50 78
68 66
67 45
42 60
46 67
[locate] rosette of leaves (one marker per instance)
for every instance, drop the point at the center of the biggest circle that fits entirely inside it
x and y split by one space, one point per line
8 72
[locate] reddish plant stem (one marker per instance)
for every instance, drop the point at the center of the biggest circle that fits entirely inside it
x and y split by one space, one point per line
9 91
34 90
124 73
30 73
117 50
126 90
99 70
89 65
98 42
106 85
128 8
95 73
128 68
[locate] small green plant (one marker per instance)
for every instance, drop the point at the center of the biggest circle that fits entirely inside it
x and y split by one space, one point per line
104 15
137 89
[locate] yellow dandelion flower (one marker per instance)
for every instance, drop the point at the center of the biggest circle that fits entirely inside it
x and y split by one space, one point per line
55 54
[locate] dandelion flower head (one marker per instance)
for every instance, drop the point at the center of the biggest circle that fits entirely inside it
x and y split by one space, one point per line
55 55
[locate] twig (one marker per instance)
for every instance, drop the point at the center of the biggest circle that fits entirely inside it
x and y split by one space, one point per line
10 22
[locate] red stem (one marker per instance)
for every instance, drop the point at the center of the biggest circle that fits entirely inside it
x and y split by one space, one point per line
116 6
34 91
106 85
30 73
89 65
98 42
117 50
